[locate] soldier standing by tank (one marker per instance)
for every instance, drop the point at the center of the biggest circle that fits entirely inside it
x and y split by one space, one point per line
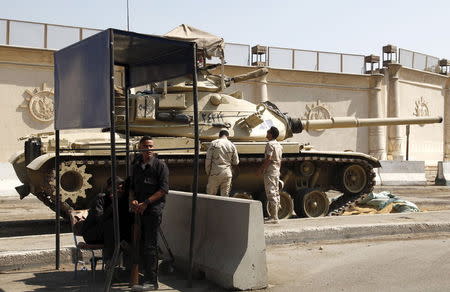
149 185
221 155
270 169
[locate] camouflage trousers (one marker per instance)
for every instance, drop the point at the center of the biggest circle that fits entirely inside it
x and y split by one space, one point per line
220 182
271 186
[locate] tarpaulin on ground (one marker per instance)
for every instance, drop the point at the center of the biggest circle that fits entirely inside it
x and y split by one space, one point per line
381 203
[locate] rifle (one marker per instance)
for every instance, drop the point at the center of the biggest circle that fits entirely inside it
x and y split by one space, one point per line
134 275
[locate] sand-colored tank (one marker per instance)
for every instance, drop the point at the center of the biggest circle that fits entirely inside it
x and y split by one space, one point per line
166 113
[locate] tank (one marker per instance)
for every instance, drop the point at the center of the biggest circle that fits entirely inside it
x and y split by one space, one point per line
166 113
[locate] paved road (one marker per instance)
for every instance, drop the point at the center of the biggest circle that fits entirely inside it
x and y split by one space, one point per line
389 264
404 264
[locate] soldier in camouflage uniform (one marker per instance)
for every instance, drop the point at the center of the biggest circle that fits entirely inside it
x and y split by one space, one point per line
270 169
221 155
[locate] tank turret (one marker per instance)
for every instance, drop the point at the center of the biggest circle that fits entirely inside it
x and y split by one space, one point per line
167 110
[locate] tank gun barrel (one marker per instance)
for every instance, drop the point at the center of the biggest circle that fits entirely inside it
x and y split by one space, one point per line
250 75
352 122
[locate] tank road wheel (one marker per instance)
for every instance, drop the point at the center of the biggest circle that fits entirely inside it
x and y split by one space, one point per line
354 179
242 195
307 168
73 181
286 206
311 203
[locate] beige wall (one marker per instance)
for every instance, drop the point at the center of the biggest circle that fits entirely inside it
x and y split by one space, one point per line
294 92
336 92
425 141
21 70
422 89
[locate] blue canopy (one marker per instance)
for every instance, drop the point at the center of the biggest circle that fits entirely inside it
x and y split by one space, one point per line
84 70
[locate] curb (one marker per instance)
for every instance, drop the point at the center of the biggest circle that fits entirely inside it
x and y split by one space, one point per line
275 235
18 260
289 236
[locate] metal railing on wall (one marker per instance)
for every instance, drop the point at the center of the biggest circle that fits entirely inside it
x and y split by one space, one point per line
237 54
55 37
52 36
286 58
418 61
41 35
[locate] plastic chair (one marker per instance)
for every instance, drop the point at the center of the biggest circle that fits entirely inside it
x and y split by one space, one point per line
76 221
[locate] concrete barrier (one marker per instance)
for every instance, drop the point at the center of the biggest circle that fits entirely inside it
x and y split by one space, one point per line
397 173
229 245
443 174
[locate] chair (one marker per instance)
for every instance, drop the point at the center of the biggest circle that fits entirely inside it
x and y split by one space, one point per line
76 221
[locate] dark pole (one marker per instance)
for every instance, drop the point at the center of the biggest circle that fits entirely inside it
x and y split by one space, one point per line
127 126
57 202
407 142
195 180
115 203
128 16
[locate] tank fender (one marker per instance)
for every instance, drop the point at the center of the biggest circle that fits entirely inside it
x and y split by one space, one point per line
376 164
15 157
373 161
41 160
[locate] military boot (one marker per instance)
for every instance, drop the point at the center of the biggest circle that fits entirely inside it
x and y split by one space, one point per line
273 212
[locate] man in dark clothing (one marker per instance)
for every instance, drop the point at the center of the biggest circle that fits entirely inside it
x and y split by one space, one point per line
98 226
149 185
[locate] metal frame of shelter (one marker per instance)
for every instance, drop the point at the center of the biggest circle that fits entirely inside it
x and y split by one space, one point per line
84 98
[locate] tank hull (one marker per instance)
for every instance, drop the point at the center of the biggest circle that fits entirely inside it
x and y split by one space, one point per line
84 176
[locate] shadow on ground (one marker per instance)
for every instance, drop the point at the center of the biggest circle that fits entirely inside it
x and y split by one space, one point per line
63 280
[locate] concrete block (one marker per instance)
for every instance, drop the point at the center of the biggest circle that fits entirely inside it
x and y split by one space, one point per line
398 173
443 174
229 246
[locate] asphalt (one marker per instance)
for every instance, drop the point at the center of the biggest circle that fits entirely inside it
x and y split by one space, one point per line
19 217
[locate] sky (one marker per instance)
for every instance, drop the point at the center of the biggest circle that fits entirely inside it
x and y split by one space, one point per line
345 26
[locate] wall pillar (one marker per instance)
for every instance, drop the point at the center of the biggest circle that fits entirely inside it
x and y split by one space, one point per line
377 135
447 120
395 139
261 89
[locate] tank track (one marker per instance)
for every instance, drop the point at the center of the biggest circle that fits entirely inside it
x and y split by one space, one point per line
341 204
337 207
48 200
345 201
47 197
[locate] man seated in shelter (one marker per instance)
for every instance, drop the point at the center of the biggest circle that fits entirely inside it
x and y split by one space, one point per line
98 228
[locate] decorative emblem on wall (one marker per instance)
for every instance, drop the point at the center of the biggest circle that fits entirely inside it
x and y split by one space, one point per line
40 103
421 109
317 111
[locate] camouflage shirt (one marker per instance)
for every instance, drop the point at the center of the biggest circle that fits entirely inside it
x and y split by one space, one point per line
220 156
273 152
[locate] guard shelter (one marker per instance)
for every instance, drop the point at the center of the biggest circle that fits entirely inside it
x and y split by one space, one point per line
84 95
